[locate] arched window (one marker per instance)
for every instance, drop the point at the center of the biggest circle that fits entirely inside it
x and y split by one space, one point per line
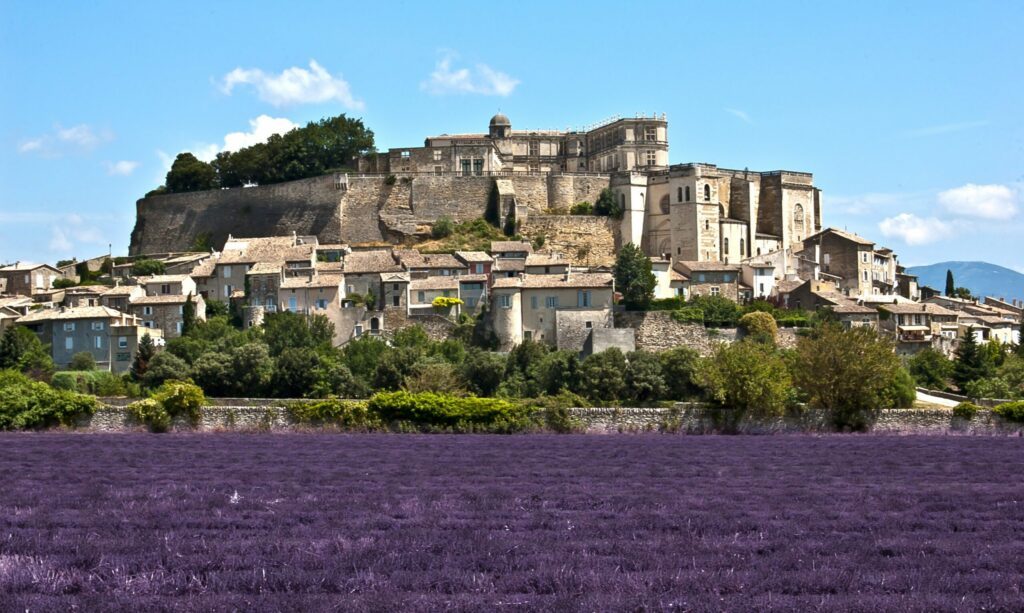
743 245
687 193
758 251
798 219
707 192
375 324
725 246
679 194
707 225
664 204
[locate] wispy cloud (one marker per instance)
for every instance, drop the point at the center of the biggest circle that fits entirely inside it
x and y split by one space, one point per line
294 86
914 230
481 79
996 202
946 128
122 168
741 115
60 141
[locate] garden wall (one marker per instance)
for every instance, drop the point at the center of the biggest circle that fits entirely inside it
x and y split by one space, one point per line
657 331
247 414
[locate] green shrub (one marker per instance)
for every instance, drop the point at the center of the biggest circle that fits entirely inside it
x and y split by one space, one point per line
63 283
582 208
436 411
1011 411
151 413
96 382
558 419
966 410
669 304
181 398
992 387
390 180
759 326
689 315
442 228
347 414
25 403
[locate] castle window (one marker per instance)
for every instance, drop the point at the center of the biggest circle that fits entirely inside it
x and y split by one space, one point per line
679 194
707 224
439 170
405 155
687 193
437 155
651 133
714 290
652 158
707 192
664 204
466 168
725 247
743 250
534 148
798 218
478 167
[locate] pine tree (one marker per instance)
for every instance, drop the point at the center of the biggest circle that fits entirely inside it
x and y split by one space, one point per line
970 363
188 316
950 286
143 355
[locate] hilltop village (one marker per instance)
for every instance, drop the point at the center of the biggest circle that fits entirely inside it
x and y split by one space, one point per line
515 231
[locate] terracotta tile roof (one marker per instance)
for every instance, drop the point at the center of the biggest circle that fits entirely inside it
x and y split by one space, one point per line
162 279
546 259
265 249
25 267
162 299
434 283
93 312
472 278
123 290
411 258
509 265
581 279
204 270
359 262
330 266
707 267
266 268
850 236
323 280
510 246
394 277
917 307
473 257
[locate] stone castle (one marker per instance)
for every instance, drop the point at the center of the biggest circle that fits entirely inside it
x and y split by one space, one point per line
689 212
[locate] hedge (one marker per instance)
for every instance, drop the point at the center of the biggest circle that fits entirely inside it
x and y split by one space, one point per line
96 382
25 403
469 414
347 414
1011 411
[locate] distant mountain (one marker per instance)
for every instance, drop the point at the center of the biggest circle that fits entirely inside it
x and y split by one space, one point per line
982 278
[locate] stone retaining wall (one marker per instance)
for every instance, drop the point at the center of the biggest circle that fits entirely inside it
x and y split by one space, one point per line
237 414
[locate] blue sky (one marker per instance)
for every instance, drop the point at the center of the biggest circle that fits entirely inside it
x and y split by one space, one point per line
908 115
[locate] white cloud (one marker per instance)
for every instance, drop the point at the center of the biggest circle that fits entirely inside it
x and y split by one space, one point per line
481 79
76 139
59 240
263 127
122 168
741 115
945 128
914 230
294 85
984 201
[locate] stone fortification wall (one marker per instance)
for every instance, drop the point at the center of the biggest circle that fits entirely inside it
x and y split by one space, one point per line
250 414
657 331
587 240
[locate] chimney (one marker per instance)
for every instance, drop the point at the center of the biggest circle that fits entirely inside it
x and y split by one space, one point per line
924 308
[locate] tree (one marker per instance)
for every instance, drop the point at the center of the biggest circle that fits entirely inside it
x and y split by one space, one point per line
442 228
930 369
251 369
747 377
852 374
143 354
483 371
212 372
362 355
759 326
645 381
295 373
435 376
493 211
950 285
679 367
164 366
969 363
189 174
285 330
607 204
634 278
147 267
1019 349
602 375
83 360
21 349
188 315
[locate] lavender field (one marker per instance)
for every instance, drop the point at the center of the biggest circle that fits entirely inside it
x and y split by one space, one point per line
387 522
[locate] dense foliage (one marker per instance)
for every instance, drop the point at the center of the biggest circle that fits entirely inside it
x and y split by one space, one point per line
25 403
317 148
21 350
633 277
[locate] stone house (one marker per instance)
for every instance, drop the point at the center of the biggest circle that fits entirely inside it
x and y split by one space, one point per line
814 295
713 279
224 273
87 295
70 331
166 312
363 270
529 307
473 292
424 290
11 309
546 264
166 285
861 268
511 250
917 325
476 262
23 279
395 290
422 265
988 328
760 277
312 294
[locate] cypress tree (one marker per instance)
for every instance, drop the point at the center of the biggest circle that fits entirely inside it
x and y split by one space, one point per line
970 363
143 355
634 278
950 286
188 315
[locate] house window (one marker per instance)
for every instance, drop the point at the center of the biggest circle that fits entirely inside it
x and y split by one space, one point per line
727 278
421 297
351 289
583 298
122 342
505 301
69 343
358 330
181 309
165 288
147 310
439 170
864 257
725 246
707 192
865 275
227 271
437 155
528 335
478 167
622 201
445 272
478 269
714 290
533 302
679 194
707 225
227 291
396 300
701 277
321 303
293 303
534 148
69 326
551 302
652 158
178 327
471 303
743 247
588 324
97 325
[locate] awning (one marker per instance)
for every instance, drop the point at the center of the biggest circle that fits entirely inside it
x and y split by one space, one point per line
914 329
